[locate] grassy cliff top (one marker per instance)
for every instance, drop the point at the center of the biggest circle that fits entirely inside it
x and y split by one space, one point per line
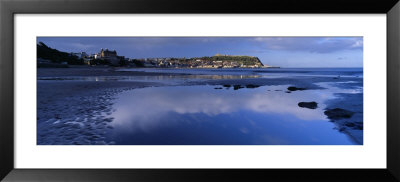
245 60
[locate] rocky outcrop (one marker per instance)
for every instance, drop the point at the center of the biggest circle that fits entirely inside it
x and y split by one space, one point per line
309 105
338 113
295 88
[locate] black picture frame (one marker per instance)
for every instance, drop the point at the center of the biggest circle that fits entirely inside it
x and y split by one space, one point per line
8 8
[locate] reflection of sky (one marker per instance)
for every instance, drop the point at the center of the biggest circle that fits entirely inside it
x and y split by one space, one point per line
148 78
215 74
268 115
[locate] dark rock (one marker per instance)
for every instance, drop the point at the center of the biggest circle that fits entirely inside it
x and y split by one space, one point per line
358 127
252 86
295 88
237 87
288 92
338 113
309 105
218 88
349 124
227 86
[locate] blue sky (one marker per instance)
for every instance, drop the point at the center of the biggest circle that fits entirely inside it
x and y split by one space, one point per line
275 51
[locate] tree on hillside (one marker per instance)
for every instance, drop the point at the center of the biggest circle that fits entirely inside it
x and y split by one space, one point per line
56 56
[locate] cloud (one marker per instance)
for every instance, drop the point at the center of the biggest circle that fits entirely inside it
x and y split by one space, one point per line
311 44
166 101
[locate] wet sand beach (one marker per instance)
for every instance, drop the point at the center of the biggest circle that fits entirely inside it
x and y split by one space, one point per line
79 105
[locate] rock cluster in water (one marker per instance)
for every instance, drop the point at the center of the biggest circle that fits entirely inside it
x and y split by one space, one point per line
309 105
295 88
338 113
237 87
252 86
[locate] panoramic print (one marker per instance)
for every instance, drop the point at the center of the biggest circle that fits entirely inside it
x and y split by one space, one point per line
199 90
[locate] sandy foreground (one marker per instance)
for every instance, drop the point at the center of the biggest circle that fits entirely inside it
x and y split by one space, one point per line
78 112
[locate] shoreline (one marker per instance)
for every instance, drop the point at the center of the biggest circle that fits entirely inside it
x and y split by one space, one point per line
94 71
353 126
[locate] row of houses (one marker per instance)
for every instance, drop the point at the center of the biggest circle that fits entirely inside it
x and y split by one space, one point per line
105 55
191 63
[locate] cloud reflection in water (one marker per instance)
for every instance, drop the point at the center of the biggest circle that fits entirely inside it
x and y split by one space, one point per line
145 108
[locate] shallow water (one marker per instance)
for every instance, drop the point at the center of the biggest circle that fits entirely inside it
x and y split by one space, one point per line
260 72
183 110
146 78
203 115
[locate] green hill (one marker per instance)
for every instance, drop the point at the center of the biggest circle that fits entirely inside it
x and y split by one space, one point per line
239 60
56 56
245 60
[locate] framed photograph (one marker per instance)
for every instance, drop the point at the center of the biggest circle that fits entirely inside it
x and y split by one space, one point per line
205 91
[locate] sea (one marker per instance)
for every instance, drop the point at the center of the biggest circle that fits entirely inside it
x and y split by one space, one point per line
212 114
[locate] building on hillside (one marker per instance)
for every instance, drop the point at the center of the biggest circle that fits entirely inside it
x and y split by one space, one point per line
96 56
110 56
107 53
80 55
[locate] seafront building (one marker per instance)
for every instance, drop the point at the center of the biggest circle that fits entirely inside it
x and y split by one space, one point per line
106 55
110 56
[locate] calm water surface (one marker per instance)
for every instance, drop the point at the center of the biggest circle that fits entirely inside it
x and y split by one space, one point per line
260 72
203 115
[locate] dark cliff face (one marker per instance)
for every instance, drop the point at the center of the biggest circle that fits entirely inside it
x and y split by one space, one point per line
259 61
